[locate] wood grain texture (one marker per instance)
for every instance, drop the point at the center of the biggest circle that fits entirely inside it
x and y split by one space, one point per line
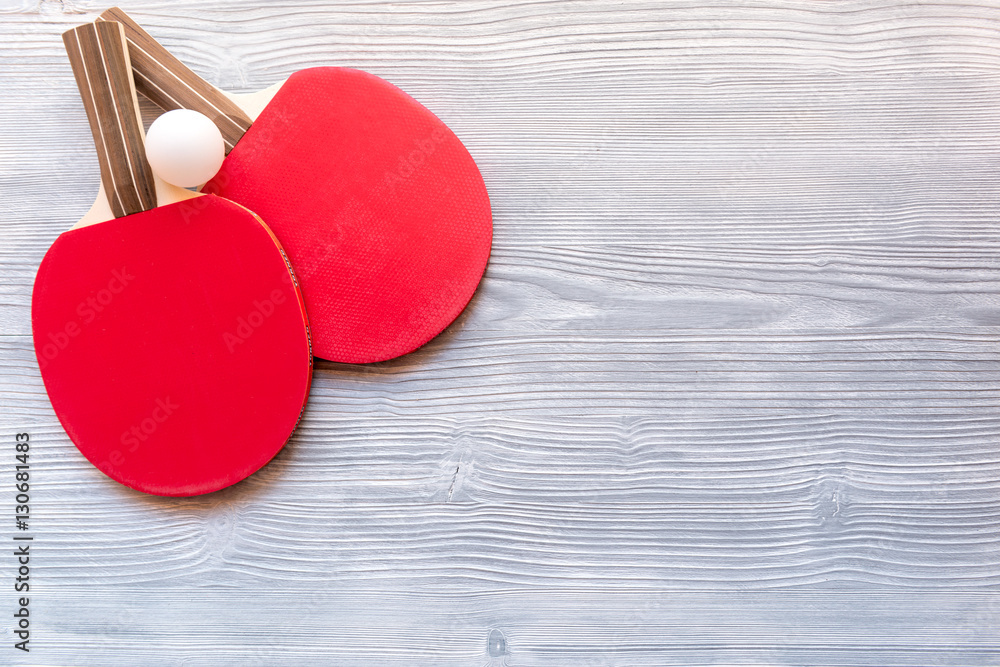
98 54
545 626
729 392
171 84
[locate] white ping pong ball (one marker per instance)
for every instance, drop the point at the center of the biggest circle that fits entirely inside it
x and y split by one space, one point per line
184 148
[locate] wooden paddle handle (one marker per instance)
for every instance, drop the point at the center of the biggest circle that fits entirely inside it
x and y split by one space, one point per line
99 56
170 84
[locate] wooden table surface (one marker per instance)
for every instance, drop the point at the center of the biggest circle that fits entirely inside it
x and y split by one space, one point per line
729 392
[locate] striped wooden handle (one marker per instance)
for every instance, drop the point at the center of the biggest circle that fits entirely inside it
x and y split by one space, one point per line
99 56
170 84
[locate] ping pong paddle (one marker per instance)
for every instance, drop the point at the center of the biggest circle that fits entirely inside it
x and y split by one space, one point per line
172 339
381 209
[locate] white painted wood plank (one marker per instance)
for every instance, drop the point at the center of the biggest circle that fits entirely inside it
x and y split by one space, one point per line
720 502
528 626
684 458
625 374
728 394
667 288
637 125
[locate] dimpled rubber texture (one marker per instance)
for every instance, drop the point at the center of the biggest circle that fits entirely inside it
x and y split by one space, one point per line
380 207
173 344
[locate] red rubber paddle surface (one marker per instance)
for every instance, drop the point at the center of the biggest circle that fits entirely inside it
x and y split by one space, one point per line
173 345
380 207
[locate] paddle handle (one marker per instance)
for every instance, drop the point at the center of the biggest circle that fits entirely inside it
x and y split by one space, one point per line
99 56
170 84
